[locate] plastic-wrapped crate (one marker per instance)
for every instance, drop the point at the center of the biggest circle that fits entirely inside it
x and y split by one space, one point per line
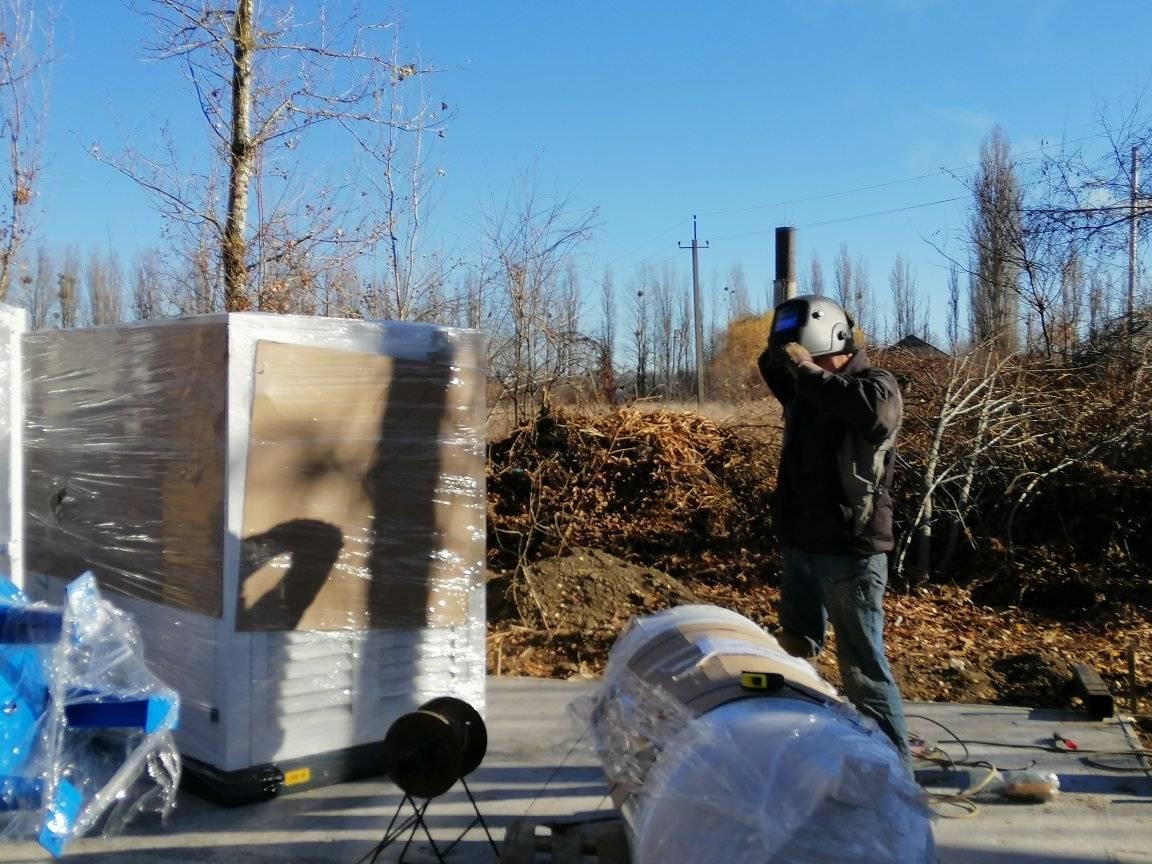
13 324
292 509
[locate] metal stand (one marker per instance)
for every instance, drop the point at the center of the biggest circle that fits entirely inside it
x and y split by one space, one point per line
397 828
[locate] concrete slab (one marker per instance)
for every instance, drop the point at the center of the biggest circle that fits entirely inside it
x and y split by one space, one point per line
538 766
1103 812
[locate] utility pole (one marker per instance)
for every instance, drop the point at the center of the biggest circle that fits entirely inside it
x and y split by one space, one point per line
1132 233
699 310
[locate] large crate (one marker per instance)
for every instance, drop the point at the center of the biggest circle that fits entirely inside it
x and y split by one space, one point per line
292 508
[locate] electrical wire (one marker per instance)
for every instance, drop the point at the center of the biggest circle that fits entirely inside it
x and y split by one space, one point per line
996 777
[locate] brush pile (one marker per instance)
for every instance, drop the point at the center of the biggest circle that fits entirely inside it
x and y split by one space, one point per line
667 490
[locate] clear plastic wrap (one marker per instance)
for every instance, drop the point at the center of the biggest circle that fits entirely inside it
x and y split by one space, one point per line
291 508
720 747
13 324
85 729
283 472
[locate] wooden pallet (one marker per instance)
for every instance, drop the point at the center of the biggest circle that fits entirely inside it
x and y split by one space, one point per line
560 841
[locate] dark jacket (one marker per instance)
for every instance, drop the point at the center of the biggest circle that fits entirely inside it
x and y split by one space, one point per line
836 466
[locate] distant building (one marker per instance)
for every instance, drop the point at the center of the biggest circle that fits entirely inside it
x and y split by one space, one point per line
916 345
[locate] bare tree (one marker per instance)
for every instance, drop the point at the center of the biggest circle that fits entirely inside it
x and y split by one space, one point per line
740 303
104 289
147 276
608 335
26 29
529 241
986 419
862 305
844 278
816 277
905 304
1072 300
664 303
952 321
641 327
265 78
40 289
1089 196
68 288
997 237
1097 302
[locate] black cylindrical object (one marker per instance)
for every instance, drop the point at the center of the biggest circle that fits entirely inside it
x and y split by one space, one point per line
428 750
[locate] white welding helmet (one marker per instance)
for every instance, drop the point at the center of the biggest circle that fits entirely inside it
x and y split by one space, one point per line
817 323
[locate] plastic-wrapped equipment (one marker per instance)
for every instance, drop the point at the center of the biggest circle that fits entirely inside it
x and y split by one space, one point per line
721 747
85 728
291 508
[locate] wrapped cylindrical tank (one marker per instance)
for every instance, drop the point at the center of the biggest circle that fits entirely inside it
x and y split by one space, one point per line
719 746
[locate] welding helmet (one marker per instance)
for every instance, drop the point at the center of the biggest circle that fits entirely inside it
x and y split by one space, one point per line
817 323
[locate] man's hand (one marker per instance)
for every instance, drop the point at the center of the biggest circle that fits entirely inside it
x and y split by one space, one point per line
797 353
797 359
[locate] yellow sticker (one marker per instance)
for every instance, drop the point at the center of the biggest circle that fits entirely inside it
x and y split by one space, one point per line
298 776
753 680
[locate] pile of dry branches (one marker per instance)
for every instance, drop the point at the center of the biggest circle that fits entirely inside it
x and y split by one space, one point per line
1027 480
670 490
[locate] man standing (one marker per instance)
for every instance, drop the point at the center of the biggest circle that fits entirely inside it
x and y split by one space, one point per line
832 510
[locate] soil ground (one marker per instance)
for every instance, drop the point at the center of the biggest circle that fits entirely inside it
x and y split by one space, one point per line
942 646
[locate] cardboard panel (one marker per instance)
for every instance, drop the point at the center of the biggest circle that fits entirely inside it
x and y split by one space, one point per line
350 516
124 444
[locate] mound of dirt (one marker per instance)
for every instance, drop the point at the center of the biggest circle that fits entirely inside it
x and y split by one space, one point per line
588 589
562 614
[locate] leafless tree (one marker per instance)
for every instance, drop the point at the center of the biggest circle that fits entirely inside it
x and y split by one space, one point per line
1069 316
528 243
844 278
641 328
264 78
26 30
997 236
862 307
816 276
147 277
1086 192
40 288
963 395
68 288
740 303
1098 303
663 326
608 335
906 307
104 289
952 321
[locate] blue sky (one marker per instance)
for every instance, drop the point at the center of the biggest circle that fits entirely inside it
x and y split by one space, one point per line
750 114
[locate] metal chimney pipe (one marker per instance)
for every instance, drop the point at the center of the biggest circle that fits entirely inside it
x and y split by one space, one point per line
784 287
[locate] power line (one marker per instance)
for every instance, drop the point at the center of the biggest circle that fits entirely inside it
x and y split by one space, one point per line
824 195
885 212
934 173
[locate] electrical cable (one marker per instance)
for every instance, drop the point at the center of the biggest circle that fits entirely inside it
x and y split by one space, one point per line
556 770
997 778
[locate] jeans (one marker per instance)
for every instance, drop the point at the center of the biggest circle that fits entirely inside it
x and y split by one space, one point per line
848 592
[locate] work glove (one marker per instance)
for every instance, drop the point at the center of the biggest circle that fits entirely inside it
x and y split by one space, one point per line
797 353
797 359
